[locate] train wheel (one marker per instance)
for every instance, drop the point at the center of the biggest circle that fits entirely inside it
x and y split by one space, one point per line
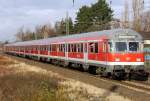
64 64
85 67
92 70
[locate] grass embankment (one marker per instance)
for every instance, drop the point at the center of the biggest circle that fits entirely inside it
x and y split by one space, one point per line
22 82
18 85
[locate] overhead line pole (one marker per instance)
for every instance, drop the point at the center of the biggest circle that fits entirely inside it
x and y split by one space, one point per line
67 23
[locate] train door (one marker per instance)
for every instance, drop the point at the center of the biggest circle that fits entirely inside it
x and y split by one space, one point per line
66 50
85 52
105 52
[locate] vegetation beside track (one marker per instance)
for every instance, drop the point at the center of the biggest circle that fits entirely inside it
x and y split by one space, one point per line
31 81
18 85
22 82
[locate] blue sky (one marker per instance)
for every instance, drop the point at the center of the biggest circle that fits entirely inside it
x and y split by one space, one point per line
29 13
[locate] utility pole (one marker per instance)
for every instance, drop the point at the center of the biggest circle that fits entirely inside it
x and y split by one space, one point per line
35 36
73 3
67 23
126 15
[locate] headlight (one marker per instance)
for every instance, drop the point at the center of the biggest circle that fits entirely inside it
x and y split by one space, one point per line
128 58
117 59
138 59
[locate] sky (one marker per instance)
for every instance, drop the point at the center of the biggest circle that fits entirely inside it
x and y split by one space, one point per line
15 14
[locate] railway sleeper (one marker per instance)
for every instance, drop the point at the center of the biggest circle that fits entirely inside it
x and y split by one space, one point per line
140 75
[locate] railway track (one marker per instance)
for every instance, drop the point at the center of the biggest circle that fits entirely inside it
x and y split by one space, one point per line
96 80
129 84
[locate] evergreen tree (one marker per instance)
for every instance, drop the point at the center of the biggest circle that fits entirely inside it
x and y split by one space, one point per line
71 26
83 20
93 18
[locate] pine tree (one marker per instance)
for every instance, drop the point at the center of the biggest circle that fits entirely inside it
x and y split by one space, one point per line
94 18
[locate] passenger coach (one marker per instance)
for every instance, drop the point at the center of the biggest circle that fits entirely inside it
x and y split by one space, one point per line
113 53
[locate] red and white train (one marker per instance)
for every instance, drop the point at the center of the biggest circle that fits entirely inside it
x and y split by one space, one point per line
113 53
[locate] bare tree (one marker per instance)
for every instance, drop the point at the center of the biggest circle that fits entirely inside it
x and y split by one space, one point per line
47 31
20 34
146 21
137 6
44 31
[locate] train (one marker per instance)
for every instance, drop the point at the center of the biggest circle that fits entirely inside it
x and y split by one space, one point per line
116 53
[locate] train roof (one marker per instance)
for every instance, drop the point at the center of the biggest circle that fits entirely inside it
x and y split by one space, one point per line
105 34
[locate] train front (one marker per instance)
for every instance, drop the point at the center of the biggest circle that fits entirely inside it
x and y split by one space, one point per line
126 55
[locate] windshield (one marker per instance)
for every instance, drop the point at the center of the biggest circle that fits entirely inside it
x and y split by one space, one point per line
121 46
133 46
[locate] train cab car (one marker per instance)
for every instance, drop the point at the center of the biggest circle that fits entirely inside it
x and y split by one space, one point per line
125 54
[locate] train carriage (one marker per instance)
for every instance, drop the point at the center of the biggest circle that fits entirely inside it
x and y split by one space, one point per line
116 53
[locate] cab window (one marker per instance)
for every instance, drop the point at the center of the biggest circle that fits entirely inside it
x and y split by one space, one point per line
133 46
121 46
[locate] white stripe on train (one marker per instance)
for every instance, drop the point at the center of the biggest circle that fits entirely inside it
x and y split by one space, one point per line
89 61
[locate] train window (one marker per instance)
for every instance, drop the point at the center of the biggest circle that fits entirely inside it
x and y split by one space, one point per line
96 47
81 47
110 46
59 46
78 47
133 46
68 47
53 47
74 48
63 47
85 47
91 45
121 46
71 48
50 48
45 48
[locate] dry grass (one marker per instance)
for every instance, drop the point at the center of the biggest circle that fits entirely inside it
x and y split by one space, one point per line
78 91
27 87
17 83
22 82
